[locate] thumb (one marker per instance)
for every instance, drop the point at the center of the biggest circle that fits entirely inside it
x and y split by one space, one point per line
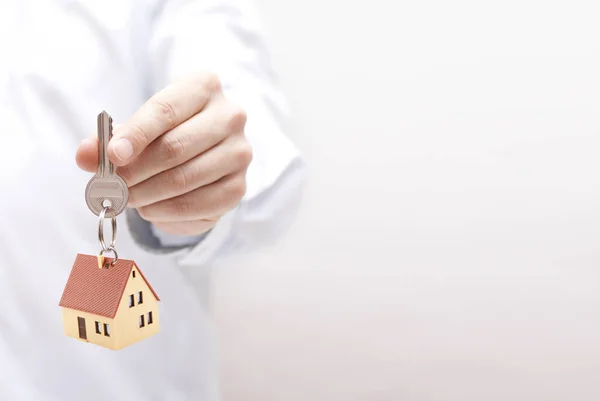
86 155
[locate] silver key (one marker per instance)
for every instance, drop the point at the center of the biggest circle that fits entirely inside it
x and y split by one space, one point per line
106 188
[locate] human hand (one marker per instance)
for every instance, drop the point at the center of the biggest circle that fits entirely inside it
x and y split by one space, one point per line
183 155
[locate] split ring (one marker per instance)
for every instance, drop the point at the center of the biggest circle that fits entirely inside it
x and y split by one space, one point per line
114 251
101 231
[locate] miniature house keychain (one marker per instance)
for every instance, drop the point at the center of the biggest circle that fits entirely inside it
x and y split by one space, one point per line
108 301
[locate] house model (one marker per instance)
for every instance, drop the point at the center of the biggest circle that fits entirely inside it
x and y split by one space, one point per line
111 306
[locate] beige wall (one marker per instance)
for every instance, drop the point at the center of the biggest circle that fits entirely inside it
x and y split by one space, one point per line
69 317
127 319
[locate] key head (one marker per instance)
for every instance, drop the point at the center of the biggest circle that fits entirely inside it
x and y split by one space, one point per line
100 189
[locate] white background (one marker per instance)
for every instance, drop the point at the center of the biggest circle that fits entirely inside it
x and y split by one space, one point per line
448 243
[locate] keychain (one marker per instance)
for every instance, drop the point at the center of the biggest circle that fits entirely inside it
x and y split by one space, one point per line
108 301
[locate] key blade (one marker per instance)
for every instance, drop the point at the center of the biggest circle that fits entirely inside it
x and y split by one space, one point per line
105 167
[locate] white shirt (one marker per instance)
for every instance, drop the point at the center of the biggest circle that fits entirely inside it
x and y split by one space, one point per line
62 63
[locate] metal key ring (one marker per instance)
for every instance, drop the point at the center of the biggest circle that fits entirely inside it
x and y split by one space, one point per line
114 251
101 231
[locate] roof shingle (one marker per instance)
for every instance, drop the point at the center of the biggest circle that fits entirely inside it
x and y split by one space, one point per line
97 291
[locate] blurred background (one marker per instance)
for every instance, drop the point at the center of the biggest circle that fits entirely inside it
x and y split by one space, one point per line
447 244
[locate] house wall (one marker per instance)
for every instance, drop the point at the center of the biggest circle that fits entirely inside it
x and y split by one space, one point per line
127 318
69 317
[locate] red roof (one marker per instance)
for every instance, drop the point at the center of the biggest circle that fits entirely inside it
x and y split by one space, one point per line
98 291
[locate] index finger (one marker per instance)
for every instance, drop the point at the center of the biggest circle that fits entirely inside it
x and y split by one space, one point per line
161 113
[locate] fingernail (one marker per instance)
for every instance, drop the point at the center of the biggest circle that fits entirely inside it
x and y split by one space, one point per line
123 149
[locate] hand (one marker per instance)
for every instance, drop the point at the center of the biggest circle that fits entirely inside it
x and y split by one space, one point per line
183 155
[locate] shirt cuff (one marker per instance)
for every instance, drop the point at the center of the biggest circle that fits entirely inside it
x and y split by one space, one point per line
171 240
153 240
188 250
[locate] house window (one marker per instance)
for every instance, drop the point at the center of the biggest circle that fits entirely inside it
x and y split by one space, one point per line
106 330
131 301
133 274
150 318
98 328
142 324
140 299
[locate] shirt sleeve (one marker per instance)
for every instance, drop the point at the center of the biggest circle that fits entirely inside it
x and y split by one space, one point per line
226 37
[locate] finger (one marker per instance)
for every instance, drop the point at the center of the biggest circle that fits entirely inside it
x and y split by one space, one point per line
86 156
193 137
203 203
195 227
232 155
162 112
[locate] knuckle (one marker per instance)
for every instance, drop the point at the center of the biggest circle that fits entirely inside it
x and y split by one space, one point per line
178 179
165 111
238 189
236 119
243 154
180 206
211 82
171 148
139 135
